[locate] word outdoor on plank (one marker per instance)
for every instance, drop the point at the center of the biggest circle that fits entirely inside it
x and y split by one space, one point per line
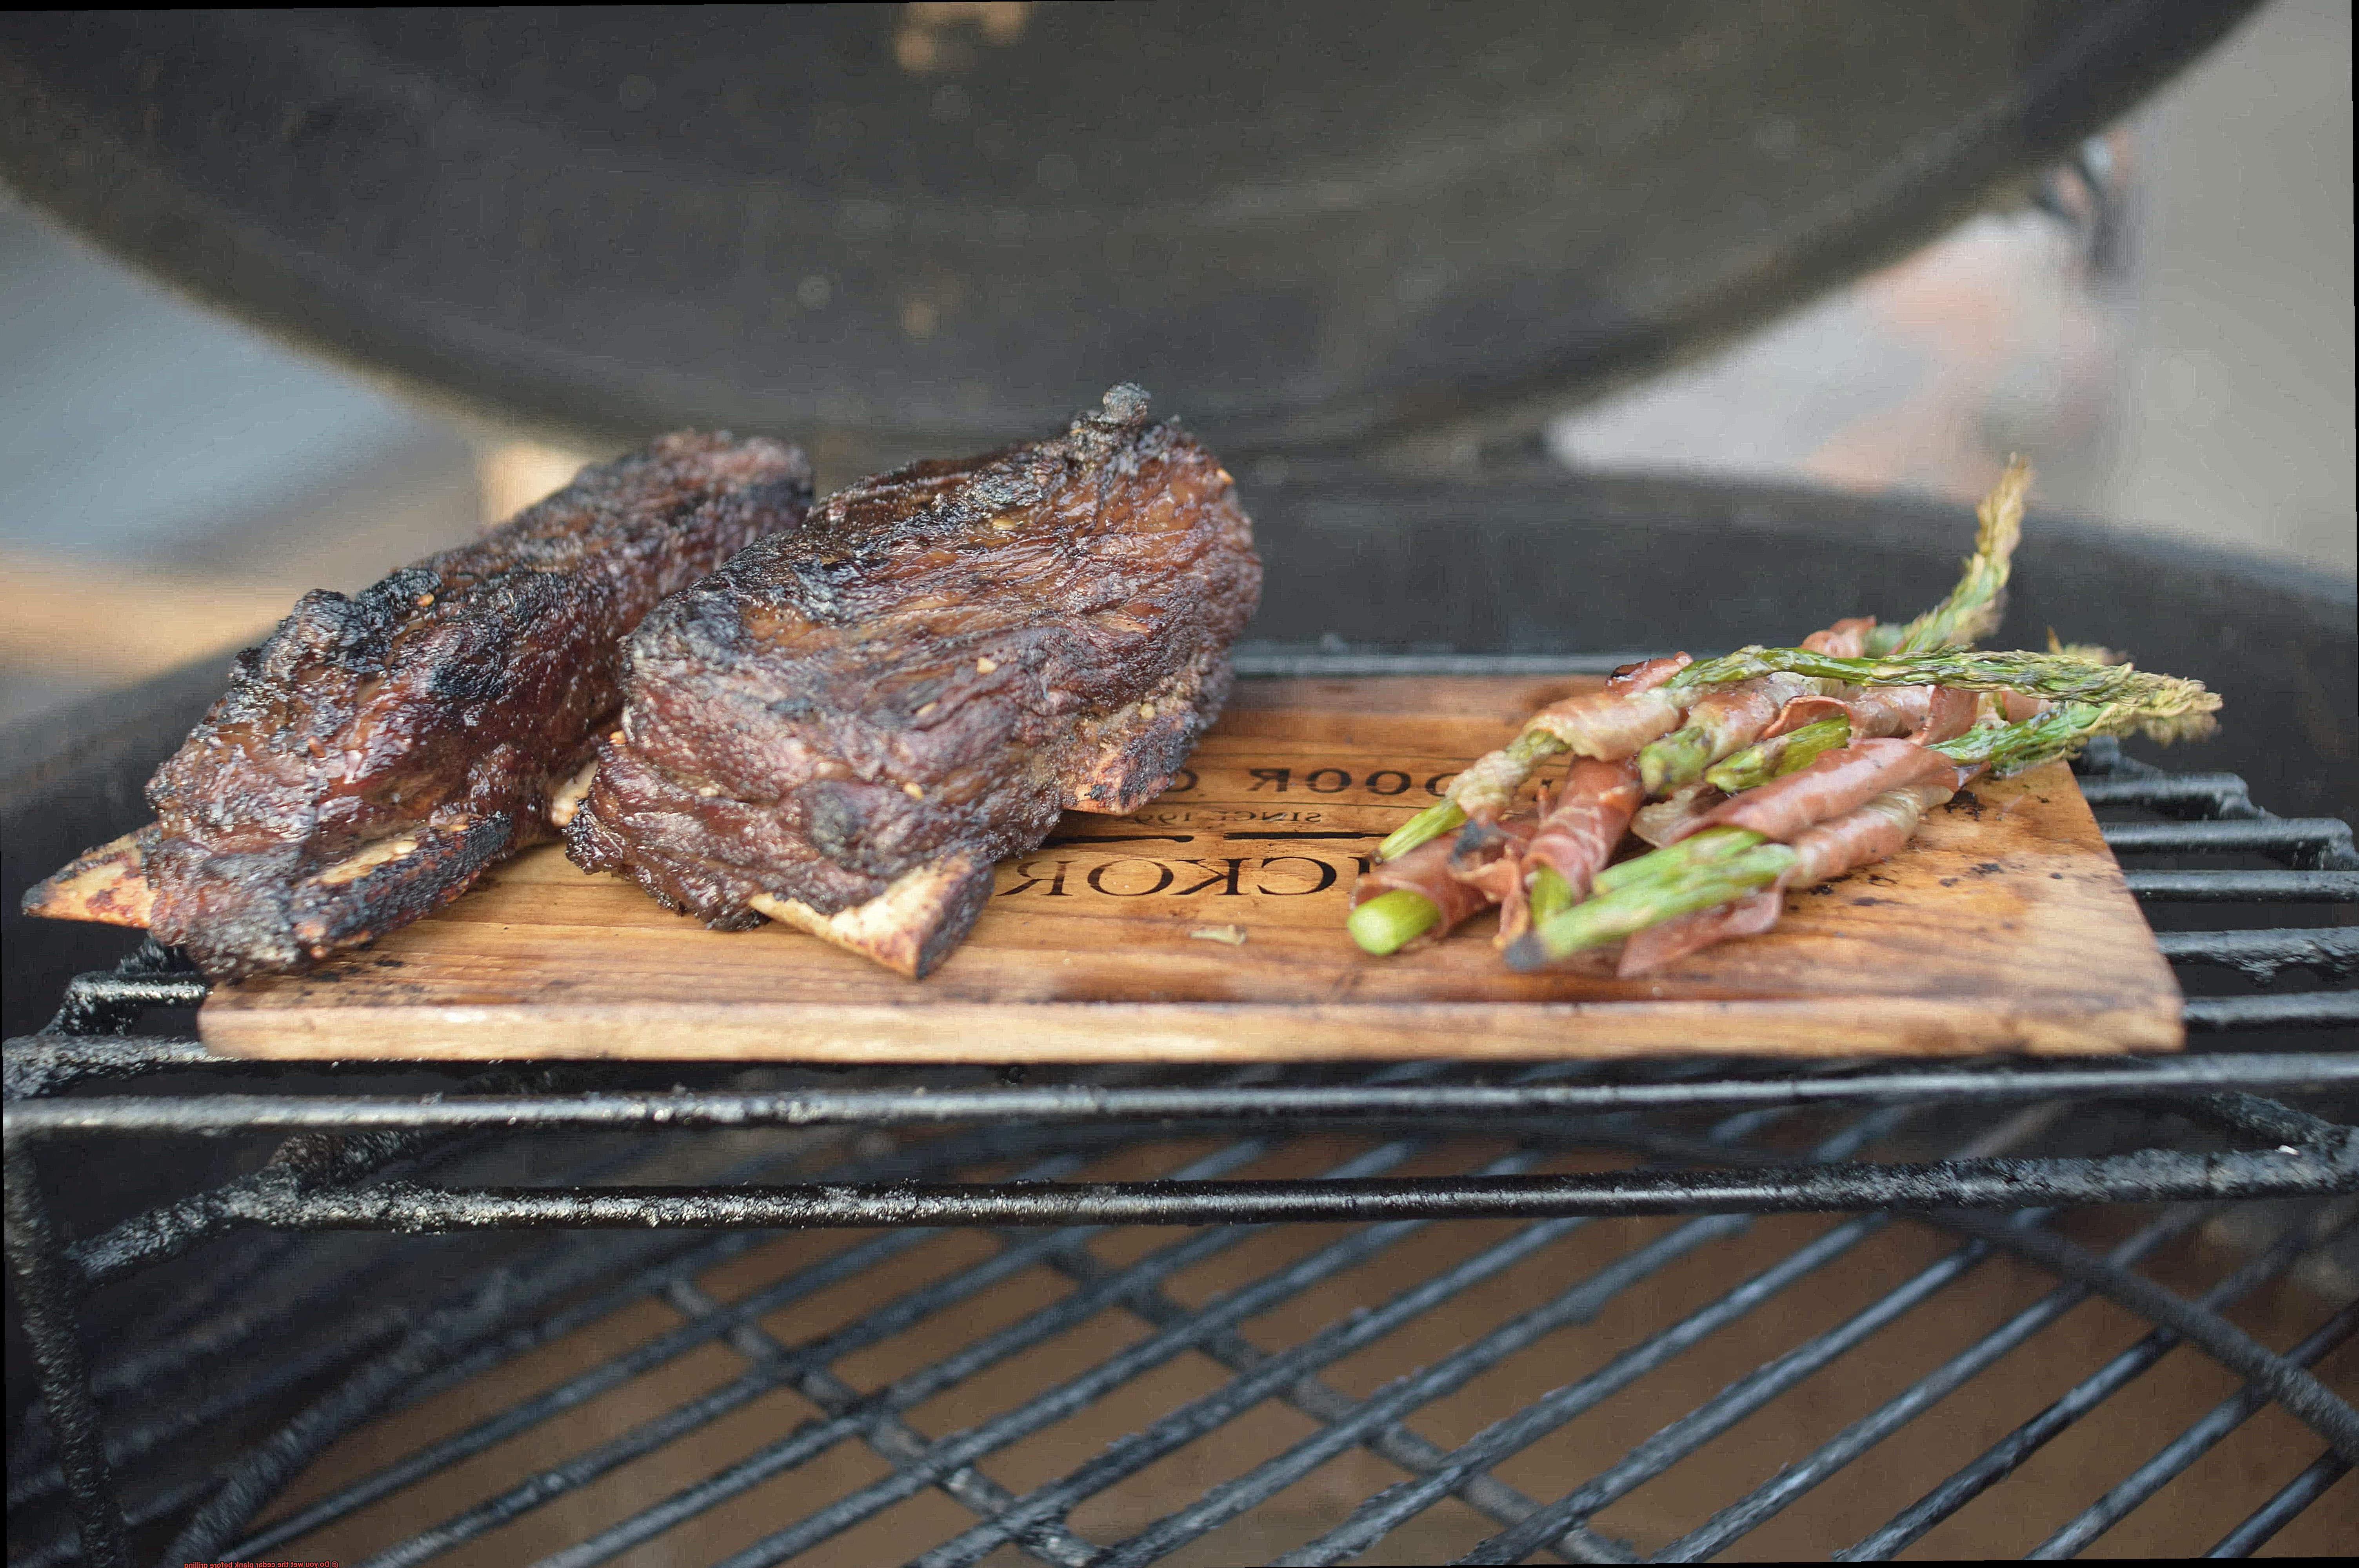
1209 926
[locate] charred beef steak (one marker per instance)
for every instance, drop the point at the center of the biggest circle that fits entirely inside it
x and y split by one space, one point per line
379 751
845 727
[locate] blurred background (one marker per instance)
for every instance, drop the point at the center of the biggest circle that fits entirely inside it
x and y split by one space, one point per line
2167 330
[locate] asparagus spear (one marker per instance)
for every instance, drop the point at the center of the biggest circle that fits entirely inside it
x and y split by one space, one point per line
1548 894
1975 607
1970 613
1390 921
1678 758
1445 814
1766 760
1638 904
2163 706
1712 844
1719 865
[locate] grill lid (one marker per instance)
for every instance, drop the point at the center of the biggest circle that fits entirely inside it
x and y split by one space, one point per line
892 229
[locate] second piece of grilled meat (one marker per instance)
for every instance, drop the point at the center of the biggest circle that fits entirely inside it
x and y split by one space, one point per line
371 758
845 727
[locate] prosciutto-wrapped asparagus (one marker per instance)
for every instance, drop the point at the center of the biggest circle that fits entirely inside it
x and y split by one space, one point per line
1652 709
1777 762
1725 722
1421 897
1877 829
1610 723
1850 808
1571 844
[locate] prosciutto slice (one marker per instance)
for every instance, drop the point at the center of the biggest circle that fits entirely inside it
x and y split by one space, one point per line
1663 821
1675 939
1843 640
1925 714
1836 783
1489 857
1645 675
1733 717
1736 716
1425 872
1875 830
1576 838
1631 710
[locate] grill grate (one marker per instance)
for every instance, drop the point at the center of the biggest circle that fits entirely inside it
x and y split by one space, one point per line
1239 1360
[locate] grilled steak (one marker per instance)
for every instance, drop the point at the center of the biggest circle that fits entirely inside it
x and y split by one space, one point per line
845 727
371 758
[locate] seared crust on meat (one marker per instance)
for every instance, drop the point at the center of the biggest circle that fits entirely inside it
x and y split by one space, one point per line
942 660
373 757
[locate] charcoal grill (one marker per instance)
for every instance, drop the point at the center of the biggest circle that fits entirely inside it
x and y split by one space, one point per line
260 1340
606 1313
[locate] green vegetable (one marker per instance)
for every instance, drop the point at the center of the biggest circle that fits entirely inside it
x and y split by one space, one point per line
1443 816
1676 759
1790 752
1640 903
1390 921
1712 844
2163 706
1549 893
1975 607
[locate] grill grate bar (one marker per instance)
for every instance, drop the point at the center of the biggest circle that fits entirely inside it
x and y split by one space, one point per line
2304 841
1740 1399
2301 1010
2281 1510
1375 1423
503 1294
96 1012
582 1388
1217 1316
2002 1458
765 1376
1369 1421
914 1388
2153 1175
1764 1502
897 1442
1274 1373
1201 1416
141 1372
1384 1512
2259 955
216 1115
145 1508
653 1280
2204 795
2303 1395
2188 1446
689 1255
183 1349
437 1354
39 1064
187 1415
2245 887
45 1290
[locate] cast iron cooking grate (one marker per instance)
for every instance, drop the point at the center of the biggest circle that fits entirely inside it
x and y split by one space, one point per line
1588 1311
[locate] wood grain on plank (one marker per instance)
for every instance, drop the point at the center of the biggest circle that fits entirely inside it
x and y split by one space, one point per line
2007 926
